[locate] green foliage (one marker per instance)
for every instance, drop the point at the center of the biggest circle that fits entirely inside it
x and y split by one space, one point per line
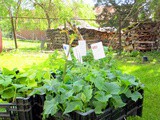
134 53
14 83
128 10
95 84
149 74
57 12
91 85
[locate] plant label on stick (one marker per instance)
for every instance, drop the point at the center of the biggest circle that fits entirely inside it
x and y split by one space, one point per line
98 50
76 52
66 50
82 47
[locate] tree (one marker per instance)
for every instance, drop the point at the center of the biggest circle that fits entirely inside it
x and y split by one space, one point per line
11 8
122 13
49 9
153 9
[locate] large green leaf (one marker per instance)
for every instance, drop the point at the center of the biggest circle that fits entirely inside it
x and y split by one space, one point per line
6 80
83 97
8 72
99 106
66 95
31 83
117 101
40 90
87 90
18 85
99 82
134 96
112 88
72 106
129 80
24 89
125 82
133 81
67 78
102 97
47 75
50 107
32 75
110 75
77 85
22 80
8 93
89 77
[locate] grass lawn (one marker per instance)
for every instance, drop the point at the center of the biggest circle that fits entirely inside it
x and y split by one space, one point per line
149 74
29 53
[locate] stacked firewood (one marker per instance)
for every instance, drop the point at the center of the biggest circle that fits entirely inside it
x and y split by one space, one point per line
56 37
142 36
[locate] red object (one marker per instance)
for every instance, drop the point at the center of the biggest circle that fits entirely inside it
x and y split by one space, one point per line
0 41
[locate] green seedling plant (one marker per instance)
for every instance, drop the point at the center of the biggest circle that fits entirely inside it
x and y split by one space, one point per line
95 84
15 83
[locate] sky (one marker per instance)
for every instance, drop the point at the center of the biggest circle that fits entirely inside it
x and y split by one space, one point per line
90 2
30 6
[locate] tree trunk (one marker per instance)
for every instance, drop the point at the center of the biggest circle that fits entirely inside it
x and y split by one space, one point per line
13 29
48 20
120 41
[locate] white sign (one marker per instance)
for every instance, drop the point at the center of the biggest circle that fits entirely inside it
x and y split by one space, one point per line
66 50
77 54
98 50
82 47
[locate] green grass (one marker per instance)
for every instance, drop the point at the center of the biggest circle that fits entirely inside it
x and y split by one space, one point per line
149 74
23 45
27 54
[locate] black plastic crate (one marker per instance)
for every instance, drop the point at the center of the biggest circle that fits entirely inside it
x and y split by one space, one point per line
6 113
89 115
118 114
135 108
37 109
130 109
21 109
24 108
29 108
108 114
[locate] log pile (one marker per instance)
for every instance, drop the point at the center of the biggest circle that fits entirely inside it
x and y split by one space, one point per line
143 36
56 38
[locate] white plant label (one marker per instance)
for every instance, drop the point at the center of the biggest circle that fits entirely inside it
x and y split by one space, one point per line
82 47
98 50
66 50
77 54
